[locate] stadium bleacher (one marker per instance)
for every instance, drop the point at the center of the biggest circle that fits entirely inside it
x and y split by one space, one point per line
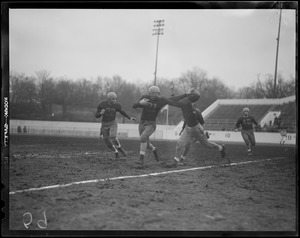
288 115
224 117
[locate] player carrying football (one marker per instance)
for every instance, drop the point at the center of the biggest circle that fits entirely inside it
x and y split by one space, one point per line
108 109
151 104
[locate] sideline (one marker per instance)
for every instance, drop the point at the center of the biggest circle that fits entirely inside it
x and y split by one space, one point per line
138 176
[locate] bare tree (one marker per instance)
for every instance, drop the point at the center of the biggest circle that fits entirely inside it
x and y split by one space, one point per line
265 89
193 79
23 95
46 87
64 95
285 88
42 75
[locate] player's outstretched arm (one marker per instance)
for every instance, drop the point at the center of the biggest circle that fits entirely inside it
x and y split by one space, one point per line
236 127
123 113
177 98
237 124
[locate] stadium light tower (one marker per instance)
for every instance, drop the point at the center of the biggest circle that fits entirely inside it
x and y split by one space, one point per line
276 62
157 31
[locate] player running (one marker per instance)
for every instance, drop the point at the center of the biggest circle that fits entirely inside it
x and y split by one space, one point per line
185 140
193 129
247 131
151 104
108 109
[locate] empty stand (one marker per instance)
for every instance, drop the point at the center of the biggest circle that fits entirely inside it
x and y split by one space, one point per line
224 117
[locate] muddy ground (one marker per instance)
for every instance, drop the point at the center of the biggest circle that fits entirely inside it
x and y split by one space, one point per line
258 196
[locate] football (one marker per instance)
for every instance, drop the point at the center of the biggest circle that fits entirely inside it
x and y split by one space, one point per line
145 102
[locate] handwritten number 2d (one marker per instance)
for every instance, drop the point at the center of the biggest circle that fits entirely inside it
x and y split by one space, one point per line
27 220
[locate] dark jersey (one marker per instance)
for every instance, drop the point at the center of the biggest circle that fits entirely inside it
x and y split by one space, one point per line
110 111
188 111
246 123
198 116
150 112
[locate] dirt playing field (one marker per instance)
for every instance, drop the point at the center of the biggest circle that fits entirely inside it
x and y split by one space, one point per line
255 196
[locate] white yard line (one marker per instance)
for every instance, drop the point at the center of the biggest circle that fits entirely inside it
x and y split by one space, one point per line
137 176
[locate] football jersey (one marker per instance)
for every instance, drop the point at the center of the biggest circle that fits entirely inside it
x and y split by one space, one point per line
246 123
189 112
199 117
150 111
110 111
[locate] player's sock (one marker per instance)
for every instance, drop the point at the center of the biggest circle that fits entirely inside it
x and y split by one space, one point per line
143 148
181 161
220 147
113 148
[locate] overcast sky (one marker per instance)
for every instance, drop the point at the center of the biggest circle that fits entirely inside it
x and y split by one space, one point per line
232 45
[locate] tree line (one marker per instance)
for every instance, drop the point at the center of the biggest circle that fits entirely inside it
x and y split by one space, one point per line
42 97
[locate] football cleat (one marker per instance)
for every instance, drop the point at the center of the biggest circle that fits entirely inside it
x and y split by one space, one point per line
156 154
117 155
140 160
181 161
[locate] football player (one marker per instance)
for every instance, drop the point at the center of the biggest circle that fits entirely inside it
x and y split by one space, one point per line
247 131
185 140
151 104
194 129
107 110
283 135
